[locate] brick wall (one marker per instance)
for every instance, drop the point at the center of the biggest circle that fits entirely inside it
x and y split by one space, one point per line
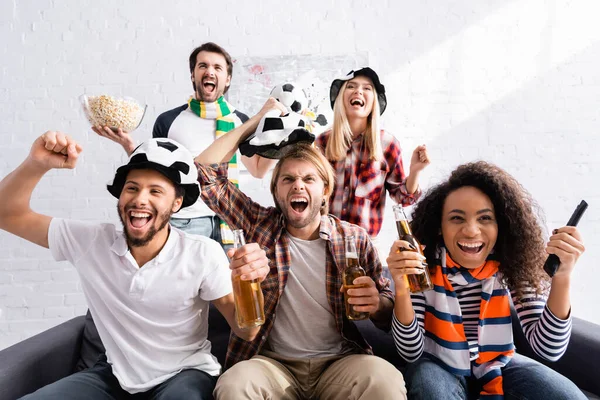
512 82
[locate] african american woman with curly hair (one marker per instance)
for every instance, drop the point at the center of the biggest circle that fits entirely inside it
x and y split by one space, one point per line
484 243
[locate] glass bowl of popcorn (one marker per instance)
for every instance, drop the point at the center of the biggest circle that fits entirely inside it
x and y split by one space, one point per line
115 112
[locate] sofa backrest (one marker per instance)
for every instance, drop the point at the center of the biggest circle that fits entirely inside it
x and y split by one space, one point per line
219 331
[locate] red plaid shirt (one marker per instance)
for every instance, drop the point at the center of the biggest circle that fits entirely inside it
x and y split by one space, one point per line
360 186
266 226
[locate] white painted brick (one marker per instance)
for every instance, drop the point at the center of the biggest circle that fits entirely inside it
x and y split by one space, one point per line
80 310
31 113
29 251
16 313
59 312
19 265
13 290
5 278
13 301
7 12
65 276
44 300
34 326
32 276
4 326
74 299
34 312
58 287
532 110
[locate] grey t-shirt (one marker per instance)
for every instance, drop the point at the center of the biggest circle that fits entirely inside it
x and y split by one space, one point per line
304 324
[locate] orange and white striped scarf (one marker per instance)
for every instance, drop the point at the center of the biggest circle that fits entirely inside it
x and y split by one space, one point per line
445 338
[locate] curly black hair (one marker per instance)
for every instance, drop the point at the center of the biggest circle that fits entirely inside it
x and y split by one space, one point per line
520 246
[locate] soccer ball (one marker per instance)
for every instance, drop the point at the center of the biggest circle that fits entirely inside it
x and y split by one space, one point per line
291 96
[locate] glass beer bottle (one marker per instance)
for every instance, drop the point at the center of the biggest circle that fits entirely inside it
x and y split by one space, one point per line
353 270
416 282
248 296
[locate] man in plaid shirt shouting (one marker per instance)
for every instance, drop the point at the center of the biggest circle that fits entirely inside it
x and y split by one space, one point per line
311 350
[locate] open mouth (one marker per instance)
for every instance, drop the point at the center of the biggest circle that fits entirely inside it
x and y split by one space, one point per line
299 205
209 86
471 248
139 220
357 102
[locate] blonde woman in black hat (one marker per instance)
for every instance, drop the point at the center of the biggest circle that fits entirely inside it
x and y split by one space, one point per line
367 160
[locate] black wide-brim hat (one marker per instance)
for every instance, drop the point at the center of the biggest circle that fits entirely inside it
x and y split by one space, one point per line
336 85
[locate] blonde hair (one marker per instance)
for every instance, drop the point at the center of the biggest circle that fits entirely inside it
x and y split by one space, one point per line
312 155
341 134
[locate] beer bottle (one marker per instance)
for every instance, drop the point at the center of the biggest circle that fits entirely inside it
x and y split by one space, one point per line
248 296
353 270
417 282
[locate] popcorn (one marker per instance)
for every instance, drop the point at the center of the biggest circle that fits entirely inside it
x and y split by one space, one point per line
113 112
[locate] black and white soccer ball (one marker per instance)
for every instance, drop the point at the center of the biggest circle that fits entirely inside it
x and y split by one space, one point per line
291 95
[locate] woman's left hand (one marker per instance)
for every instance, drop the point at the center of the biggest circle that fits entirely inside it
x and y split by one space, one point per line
419 159
567 244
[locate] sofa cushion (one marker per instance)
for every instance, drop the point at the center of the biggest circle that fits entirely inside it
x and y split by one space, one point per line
91 345
218 334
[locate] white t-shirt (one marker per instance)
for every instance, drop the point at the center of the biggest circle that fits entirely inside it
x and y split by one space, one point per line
153 321
305 324
196 134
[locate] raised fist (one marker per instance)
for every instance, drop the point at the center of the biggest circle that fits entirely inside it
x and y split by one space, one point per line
55 150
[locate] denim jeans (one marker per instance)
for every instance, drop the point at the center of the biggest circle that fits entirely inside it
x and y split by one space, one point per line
204 226
99 383
522 378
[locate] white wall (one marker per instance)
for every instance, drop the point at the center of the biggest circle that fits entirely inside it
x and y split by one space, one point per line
513 82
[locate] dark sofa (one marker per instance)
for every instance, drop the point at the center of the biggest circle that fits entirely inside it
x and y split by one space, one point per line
74 345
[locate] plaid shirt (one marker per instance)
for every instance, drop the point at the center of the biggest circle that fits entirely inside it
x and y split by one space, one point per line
359 193
266 226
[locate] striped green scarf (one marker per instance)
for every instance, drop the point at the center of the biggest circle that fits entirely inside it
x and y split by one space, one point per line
226 120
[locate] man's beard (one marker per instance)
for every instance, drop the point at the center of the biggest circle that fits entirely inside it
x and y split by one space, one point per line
205 98
299 224
163 219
